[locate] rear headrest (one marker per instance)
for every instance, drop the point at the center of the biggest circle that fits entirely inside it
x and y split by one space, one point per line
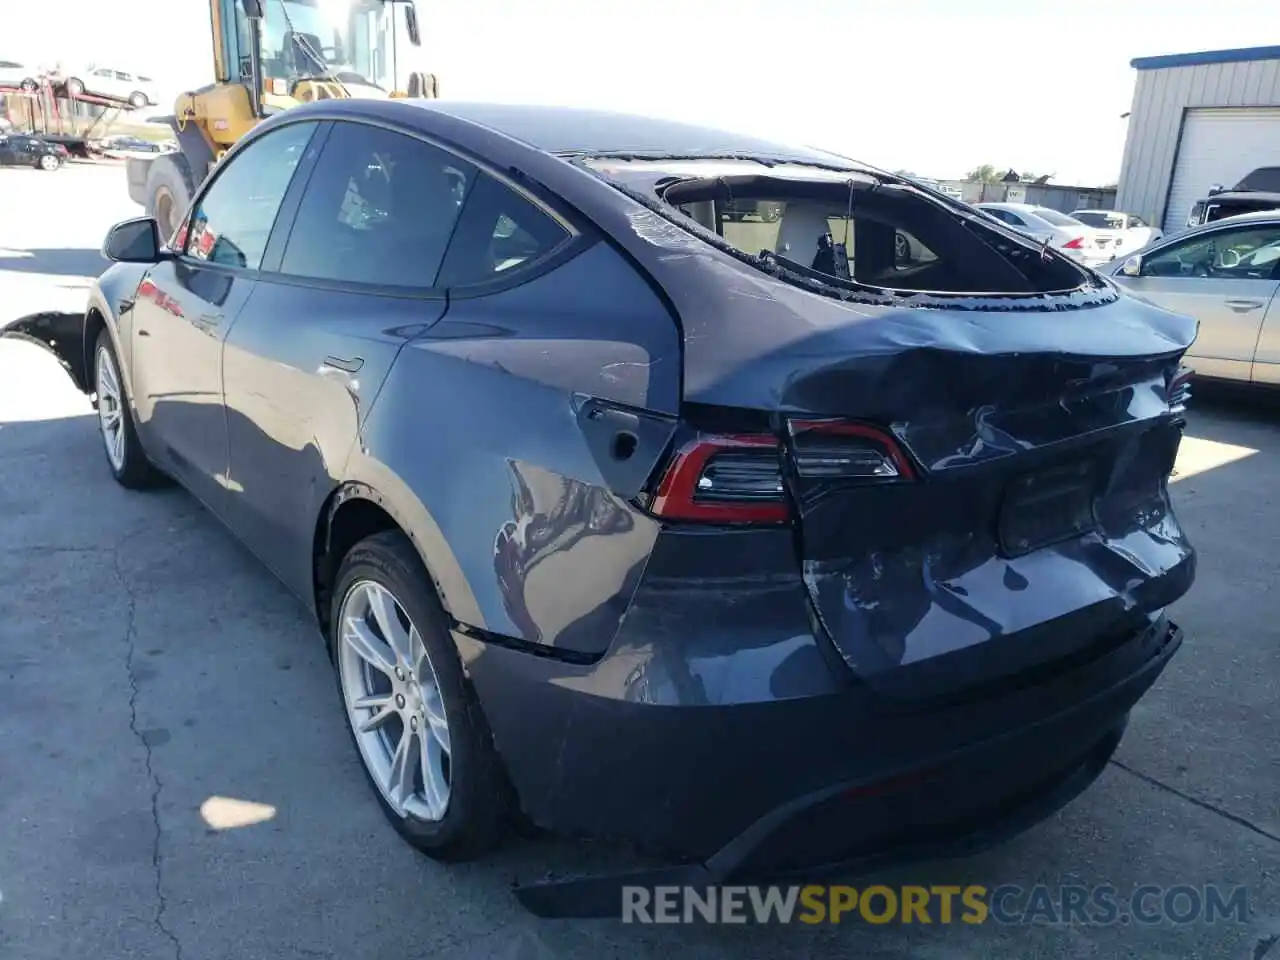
803 224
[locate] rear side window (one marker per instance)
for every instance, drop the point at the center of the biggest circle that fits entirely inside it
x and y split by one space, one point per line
233 220
1056 218
501 232
380 208
1008 217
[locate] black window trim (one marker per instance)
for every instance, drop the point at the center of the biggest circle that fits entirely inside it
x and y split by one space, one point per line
301 174
576 241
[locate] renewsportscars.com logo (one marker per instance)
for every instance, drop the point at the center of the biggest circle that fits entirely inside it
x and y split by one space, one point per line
1055 904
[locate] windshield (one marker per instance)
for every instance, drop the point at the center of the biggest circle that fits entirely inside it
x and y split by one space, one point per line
355 41
1056 218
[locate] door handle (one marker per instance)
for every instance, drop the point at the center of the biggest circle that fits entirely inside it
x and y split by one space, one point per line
1244 306
343 364
210 319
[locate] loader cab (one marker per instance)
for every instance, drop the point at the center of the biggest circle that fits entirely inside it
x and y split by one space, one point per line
356 48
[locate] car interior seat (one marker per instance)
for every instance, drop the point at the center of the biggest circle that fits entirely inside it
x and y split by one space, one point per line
801 231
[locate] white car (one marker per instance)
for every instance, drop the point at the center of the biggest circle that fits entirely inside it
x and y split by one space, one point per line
1135 233
110 84
1077 240
18 76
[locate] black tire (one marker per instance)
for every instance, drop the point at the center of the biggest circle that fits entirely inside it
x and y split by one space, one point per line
901 248
170 187
136 471
74 87
49 163
480 799
138 100
29 85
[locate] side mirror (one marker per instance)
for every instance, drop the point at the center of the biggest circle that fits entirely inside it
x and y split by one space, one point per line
411 22
133 241
252 9
1132 267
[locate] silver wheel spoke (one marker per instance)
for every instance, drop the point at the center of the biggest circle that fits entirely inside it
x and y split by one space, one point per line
383 606
404 764
357 635
381 711
434 709
435 788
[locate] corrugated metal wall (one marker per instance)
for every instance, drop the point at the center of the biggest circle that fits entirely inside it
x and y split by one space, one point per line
1161 97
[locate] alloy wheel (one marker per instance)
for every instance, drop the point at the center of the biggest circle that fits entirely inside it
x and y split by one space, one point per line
393 702
48 162
110 408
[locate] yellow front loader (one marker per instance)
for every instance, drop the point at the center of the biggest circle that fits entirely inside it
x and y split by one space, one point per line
270 55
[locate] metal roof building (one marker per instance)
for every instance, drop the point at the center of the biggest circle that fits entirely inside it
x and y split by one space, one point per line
1198 119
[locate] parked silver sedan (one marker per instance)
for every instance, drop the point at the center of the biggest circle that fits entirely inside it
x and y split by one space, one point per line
1226 275
1081 242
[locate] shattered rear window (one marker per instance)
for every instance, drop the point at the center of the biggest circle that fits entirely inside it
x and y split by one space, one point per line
847 229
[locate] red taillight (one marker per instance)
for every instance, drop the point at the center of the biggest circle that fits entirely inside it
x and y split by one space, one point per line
1075 243
839 450
724 479
1180 390
738 478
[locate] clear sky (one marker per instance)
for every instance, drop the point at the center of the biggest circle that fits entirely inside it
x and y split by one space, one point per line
932 86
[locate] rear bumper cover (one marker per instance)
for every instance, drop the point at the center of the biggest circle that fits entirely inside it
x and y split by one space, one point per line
764 788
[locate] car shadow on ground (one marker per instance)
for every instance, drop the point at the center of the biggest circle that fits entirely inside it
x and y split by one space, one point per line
53 262
184 674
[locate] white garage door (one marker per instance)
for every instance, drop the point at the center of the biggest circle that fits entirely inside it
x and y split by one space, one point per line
1220 146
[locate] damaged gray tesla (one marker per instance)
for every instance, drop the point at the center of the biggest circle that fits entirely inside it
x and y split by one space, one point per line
653 483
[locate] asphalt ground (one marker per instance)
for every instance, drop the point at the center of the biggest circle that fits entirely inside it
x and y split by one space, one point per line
175 780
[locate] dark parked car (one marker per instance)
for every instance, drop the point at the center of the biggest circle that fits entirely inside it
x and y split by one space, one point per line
1258 192
757 553
17 150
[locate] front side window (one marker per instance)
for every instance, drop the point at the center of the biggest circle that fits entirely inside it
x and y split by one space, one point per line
379 208
233 220
1246 253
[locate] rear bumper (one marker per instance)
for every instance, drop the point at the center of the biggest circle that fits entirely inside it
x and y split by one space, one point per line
598 897
611 751
953 806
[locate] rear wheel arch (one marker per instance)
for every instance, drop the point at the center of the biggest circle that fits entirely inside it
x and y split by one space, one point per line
352 512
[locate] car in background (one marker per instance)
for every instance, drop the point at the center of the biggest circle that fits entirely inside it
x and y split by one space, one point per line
1134 232
111 84
1077 240
122 145
18 76
1224 274
630 519
1259 191
20 150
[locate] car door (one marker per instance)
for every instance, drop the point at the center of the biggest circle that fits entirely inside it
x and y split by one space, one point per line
186 304
305 359
8 154
102 82
1223 279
